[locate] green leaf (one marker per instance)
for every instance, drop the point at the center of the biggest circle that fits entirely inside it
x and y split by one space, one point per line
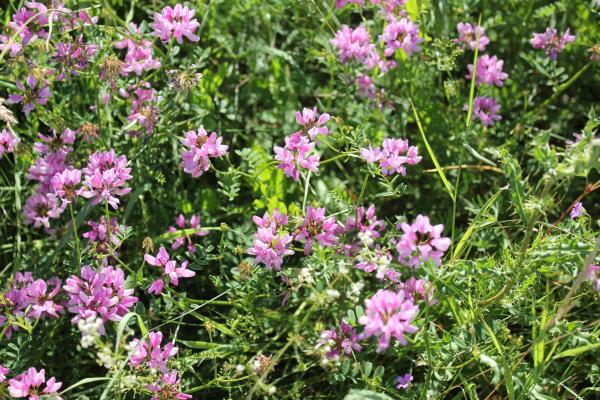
577 350
366 395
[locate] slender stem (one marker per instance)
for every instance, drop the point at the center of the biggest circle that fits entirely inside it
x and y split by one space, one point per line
75 235
306 191
108 228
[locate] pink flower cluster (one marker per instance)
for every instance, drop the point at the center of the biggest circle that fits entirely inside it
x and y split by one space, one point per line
39 208
97 237
377 260
105 178
151 354
29 384
401 34
360 230
467 36
592 274
30 299
194 223
421 242
139 56
551 42
392 156
387 6
489 71
35 93
271 242
8 142
199 148
316 226
99 294
338 341
168 388
486 110
143 108
296 154
169 269
73 57
388 315
175 22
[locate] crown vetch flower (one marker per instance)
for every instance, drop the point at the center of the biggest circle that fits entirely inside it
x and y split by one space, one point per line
338 341
98 236
100 293
29 24
35 93
489 71
551 42
105 176
169 267
392 157
315 226
377 260
168 388
403 381
143 109
39 208
3 372
388 315
353 44
151 353
44 168
271 241
55 143
577 210
41 302
29 384
402 34
486 110
73 57
194 223
200 147
312 125
467 35
8 142
295 155
175 22
66 184
138 58
360 229
421 242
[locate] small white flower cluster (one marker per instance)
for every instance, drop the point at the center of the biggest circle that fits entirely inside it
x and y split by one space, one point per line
306 276
89 329
106 357
353 293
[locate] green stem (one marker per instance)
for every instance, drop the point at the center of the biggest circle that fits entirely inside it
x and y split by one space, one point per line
75 235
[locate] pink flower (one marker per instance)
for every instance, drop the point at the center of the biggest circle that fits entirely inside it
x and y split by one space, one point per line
339 341
295 156
489 71
401 34
29 384
29 30
8 142
316 226
143 109
168 388
36 93
551 42
73 57
271 242
44 168
421 242
486 110
377 261
98 236
99 294
175 22
366 87
393 156
360 229
388 315
577 210
194 223
139 56
105 176
66 184
41 302
310 124
169 267
57 143
150 353
419 289
403 382
200 147
353 44
592 274
6 45
342 3
39 208
3 372
468 36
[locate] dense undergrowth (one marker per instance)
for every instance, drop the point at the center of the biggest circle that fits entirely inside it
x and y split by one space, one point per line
299 199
